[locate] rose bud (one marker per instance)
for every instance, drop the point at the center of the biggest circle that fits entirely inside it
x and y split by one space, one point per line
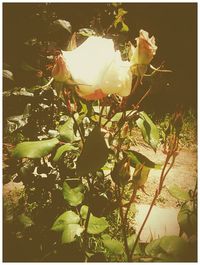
121 172
141 55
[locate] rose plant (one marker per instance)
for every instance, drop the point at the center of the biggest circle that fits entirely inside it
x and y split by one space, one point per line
84 170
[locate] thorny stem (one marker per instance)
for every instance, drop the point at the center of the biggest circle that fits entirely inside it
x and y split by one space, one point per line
130 202
101 113
137 82
119 197
143 97
157 192
144 222
75 121
85 236
193 196
78 128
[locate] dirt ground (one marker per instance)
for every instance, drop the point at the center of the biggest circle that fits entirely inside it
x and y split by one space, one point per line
183 174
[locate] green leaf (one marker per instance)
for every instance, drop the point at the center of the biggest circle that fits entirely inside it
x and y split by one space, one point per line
97 225
94 154
114 246
178 193
175 246
73 196
117 117
153 248
15 122
84 211
8 74
25 220
67 131
187 220
149 130
169 248
62 149
84 108
35 149
131 240
64 219
70 233
121 12
125 27
95 118
61 24
28 68
87 32
140 176
137 158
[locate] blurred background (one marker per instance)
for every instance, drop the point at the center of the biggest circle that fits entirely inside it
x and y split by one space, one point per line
174 26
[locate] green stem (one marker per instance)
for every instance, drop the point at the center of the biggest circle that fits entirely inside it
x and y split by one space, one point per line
85 236
129 204
157 193
48 84
101 113
78 128
119 197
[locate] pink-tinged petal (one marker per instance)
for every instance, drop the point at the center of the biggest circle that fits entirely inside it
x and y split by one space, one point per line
97 94
60 72
143 54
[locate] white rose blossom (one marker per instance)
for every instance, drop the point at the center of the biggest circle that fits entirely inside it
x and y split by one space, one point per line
97 69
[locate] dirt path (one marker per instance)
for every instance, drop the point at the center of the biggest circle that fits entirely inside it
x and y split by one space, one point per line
183 174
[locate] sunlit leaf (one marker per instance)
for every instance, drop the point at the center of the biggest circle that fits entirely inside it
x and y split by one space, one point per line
36 149
67 131
169 248
64 219
179 193
62 149
149 130
94 154
138 158
187 220
70 233
8 74
131 240
96 225
22 92
175 246
25 220
114 246
153 248
125 27
119 115
84 211
86 32
61 23
73 196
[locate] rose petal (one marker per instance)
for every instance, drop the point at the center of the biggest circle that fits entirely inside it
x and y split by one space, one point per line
97 94
99 69
60 72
